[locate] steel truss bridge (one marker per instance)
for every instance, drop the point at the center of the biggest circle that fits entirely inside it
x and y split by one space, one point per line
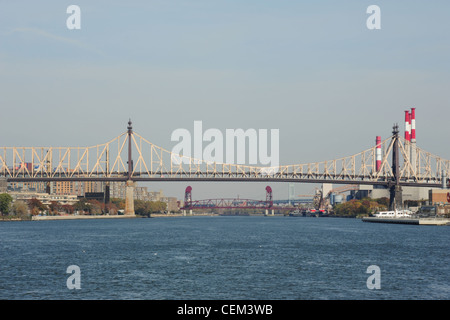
113 161
233 203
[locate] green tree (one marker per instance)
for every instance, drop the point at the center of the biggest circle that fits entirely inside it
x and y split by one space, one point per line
5 202
158 206
142 208
82 205
145 208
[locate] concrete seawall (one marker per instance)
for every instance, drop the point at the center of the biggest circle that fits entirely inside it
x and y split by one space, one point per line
77 217
416 221
72 217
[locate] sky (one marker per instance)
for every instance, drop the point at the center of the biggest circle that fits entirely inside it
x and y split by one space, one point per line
311 69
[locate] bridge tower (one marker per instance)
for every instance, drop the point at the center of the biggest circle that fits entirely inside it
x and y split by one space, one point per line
129 191
188 196
188 200
107 192
395 189
269 200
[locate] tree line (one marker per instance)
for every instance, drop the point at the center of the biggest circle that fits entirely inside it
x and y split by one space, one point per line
364 207
24 208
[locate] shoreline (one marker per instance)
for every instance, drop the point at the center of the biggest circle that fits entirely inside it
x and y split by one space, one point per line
80 217
174 215
72 217
417 221
414 221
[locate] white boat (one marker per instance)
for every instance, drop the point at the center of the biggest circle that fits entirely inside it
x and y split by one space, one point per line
394 214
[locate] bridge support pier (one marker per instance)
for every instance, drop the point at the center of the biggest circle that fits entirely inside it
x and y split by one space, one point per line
107 193
395 189
129 199
444 180
395 199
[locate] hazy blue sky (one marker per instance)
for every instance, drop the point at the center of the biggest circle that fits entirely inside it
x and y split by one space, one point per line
311 69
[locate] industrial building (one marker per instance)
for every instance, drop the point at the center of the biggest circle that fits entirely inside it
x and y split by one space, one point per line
426 202
424 195
439 196
376 192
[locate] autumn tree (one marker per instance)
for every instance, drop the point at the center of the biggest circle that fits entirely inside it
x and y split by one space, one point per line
36 206
355 207
55 207
96 206
119 203
67 208
82 205
111 208
19 208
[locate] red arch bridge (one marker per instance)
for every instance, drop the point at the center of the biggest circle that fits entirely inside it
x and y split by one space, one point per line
232 203
239 203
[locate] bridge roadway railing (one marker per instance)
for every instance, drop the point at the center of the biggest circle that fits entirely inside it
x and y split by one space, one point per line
108 162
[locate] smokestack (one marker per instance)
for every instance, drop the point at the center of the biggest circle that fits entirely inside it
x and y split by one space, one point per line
407 126
378 154
413 152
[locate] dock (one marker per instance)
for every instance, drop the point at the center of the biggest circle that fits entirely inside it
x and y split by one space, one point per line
416 221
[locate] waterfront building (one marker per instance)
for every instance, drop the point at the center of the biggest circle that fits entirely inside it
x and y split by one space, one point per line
45 198
117 190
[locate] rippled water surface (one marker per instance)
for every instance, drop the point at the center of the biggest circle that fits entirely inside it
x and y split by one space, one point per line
223 258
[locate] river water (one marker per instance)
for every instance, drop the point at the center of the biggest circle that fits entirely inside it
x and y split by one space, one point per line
220 258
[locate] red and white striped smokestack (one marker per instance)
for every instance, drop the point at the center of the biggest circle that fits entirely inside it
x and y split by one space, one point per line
378 154
413 125
407 126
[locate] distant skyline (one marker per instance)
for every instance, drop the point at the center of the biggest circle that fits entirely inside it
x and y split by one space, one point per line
310 69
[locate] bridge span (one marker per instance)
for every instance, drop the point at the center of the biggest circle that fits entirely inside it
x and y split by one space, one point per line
393 163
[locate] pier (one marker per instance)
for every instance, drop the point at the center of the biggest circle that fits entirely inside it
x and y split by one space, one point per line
416 221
